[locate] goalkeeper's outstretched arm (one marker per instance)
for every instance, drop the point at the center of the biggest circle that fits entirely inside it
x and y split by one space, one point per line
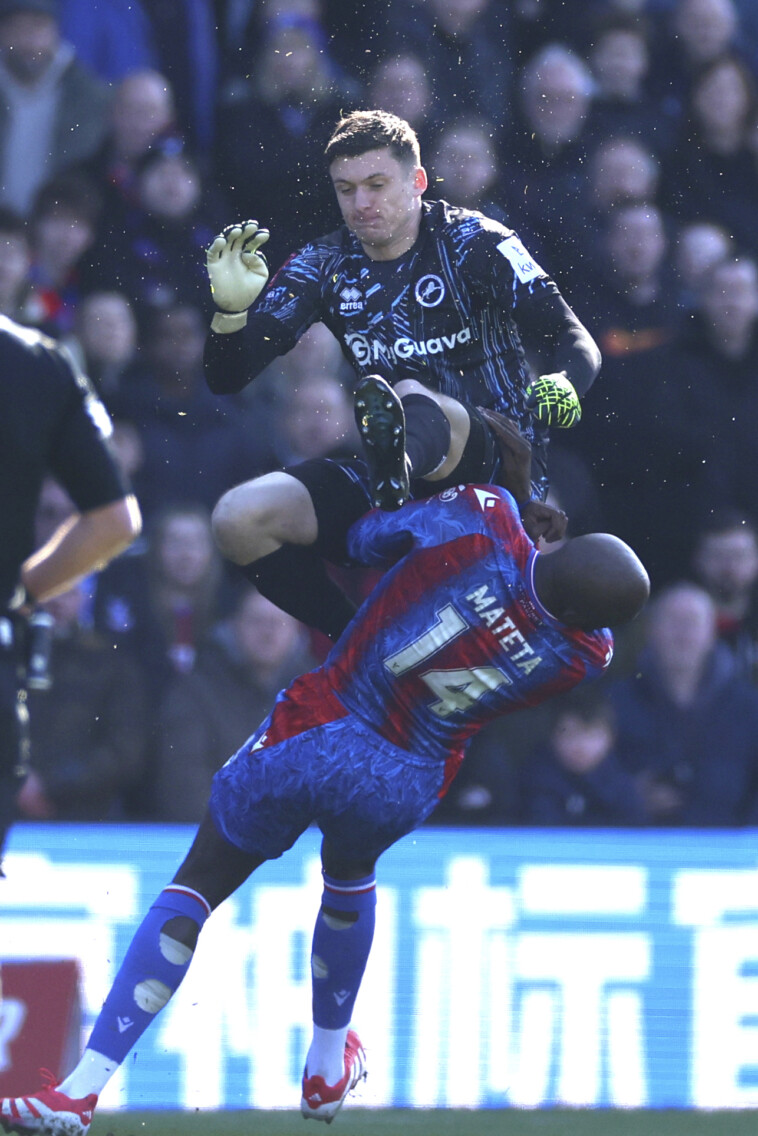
237 350
549 325
237 271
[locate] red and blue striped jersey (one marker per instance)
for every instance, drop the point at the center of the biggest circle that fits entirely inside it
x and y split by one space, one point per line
454 634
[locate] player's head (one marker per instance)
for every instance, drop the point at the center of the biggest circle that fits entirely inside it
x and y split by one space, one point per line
374 164
592 581
364 130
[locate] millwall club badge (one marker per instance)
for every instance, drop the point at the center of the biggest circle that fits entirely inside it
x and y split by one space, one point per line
430 291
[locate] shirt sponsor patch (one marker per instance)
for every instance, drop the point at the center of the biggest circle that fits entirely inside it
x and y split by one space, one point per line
523 265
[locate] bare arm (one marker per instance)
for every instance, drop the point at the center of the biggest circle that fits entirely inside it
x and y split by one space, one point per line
84 543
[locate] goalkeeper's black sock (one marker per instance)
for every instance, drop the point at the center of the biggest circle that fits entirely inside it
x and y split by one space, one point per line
296 580
427 434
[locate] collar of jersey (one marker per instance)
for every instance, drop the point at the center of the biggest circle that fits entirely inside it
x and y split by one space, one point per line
546 615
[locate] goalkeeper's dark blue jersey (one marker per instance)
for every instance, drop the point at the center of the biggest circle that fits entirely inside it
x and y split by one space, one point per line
454 634
446 313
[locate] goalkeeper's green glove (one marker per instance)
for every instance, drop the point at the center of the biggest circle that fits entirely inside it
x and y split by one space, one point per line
237 272
553 401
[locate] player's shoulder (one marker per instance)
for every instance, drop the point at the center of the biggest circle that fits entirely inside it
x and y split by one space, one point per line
462 222
318 256
339 242
490 504
485 497
24 338
29 355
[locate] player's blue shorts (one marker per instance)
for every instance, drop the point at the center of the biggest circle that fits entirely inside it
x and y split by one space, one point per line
363 792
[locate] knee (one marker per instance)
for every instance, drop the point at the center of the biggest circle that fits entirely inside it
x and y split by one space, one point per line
411 386
232 521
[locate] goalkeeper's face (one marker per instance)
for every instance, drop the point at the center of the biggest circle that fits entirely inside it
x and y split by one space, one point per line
380 201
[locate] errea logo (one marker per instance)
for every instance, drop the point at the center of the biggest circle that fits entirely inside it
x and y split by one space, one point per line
351 300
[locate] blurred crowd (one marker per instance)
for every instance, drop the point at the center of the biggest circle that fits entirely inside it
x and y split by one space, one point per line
619 138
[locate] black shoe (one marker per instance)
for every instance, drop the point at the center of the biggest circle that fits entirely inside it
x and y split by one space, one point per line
381 421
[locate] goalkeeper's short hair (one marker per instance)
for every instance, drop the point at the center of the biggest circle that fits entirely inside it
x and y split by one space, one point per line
364 130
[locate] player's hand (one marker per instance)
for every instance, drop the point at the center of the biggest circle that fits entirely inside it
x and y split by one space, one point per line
553 401
516 453
236 268
543 522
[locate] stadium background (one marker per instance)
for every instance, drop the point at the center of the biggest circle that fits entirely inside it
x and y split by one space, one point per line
672 1027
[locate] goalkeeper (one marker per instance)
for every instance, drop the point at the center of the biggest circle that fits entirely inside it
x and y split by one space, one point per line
436 308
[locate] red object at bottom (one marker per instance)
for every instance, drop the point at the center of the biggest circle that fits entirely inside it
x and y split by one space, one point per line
40 1022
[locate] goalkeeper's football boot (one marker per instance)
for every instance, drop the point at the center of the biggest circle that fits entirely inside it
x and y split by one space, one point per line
48 1112
381 422
321 1101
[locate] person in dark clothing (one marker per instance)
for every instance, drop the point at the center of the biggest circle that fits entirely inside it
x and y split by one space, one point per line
88 732
51 422
429 303
725 563
577 779
687 720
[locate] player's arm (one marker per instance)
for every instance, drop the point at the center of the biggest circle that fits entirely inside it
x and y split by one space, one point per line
108 518
497 260
549 326
540 521
84 543
255 320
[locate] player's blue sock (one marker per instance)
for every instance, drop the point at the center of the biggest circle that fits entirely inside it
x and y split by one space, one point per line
341 946
152 969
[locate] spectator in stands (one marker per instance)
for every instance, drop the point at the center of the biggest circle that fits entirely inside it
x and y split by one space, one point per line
316 420
619 58
464 167
696 34
112 40
271 140
141 115
712 371
546 162
195 446
54 110
630 302
400 83
104 341
88 732
206 713
469 56
711 172
185 42
15 265
725 563
162 604
622 169
698 247
155 251
485 791
676 395
687 722
63 228
316 355
577 779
